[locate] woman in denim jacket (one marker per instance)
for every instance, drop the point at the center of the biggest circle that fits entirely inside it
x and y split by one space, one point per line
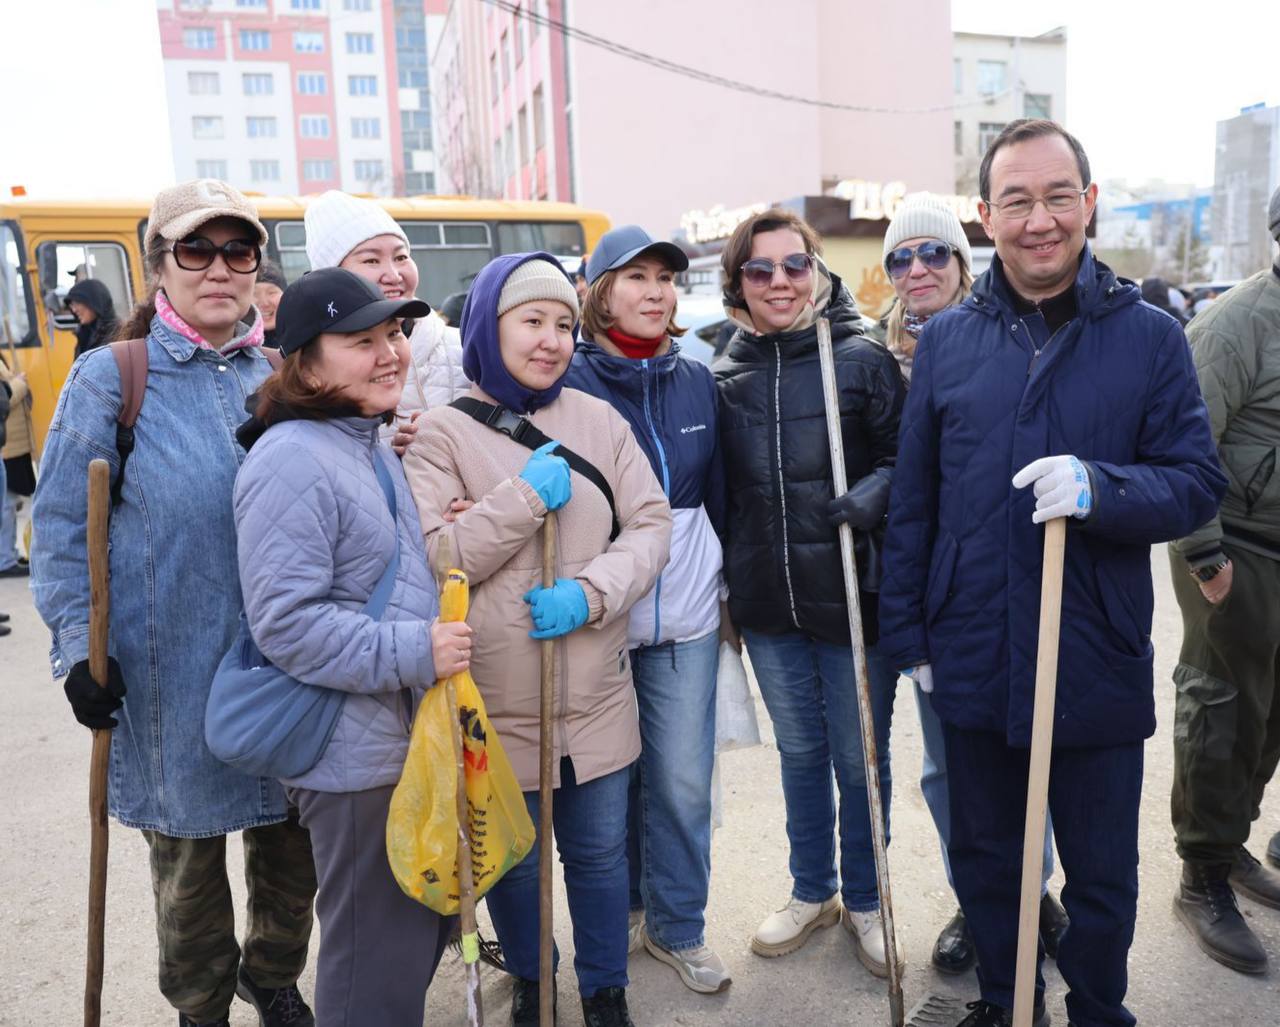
175 603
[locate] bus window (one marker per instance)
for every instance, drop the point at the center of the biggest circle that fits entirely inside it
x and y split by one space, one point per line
62 264
291 241
561 238
15 307
449 255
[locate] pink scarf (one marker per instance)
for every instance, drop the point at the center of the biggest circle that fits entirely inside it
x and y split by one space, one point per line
166 313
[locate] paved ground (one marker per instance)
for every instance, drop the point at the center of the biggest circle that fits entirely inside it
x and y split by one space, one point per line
43 767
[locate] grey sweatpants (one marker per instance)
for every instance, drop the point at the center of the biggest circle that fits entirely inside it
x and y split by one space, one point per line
378 948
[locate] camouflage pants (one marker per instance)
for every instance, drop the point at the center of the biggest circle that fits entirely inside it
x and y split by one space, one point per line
195 919
1226 733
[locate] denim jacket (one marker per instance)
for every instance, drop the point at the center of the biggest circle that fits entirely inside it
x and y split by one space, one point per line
175 590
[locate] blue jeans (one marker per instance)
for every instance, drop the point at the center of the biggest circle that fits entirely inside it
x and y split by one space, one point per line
8 524
669 826
811 695
933 786
590 823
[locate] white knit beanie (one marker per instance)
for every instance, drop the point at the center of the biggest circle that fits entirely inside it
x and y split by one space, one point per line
337 223
925 216
537 280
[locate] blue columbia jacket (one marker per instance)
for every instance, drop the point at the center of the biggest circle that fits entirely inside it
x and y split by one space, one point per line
670 403
992 391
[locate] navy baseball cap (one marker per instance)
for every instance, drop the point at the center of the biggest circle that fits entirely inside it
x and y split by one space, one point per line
620 246
334 299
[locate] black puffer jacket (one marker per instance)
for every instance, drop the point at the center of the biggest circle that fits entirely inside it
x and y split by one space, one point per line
782 558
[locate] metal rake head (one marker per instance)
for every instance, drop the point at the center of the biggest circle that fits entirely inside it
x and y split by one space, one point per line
935 1011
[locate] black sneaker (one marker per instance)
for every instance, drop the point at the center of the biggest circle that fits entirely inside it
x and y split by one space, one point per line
185 1021
1053 924
1273 851
277 1007
21 569
954 952
607 1008
988 1014
1251 879
1206 904
524 1002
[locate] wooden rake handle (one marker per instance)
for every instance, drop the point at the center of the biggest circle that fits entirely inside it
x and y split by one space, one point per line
546 757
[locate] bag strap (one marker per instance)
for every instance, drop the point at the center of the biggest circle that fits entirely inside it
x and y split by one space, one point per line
378 600
525 432
273 357
131 359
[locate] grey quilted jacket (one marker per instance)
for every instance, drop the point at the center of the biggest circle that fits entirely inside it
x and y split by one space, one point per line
314 535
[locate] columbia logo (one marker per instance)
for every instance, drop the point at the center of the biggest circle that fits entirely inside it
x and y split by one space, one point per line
693 428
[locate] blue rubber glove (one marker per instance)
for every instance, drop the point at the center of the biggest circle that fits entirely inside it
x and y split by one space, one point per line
557 610
548 476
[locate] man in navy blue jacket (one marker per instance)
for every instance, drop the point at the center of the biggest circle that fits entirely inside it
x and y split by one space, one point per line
1053 391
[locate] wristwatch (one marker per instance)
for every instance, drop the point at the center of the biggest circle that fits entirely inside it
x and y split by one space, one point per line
1208 573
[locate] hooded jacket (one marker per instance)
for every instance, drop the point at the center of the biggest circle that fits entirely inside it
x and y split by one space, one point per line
782 555
97 297
991 391
497 542
670 403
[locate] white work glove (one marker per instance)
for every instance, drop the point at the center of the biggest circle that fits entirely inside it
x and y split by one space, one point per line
1062 487
922 676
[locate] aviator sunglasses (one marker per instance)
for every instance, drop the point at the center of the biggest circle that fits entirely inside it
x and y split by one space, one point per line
197 253
933 254
759 272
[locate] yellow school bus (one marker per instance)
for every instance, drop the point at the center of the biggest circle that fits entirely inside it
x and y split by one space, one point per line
45 245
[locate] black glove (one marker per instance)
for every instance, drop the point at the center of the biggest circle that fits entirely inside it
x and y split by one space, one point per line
92 704
863 506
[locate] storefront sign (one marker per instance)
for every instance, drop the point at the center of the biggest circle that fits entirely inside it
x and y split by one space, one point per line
871 201
716 223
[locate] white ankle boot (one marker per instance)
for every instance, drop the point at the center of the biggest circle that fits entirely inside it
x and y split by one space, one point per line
790 927
868 933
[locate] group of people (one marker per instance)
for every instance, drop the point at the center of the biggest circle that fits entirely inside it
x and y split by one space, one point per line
694 506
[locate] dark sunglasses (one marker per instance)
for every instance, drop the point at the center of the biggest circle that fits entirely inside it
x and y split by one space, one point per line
196 254
759 271
933 254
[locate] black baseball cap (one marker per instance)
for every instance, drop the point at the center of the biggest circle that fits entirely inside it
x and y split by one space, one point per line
334 299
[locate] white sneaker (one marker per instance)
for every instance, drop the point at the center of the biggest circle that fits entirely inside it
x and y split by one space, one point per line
700 968
868 934
635 931
790 927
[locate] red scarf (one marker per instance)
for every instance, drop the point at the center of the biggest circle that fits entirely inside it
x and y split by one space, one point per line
633 348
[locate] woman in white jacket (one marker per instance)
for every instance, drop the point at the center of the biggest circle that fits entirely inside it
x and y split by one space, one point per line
359 235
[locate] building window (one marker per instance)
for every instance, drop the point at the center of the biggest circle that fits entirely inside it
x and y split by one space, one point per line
991 77
359 42
536 8
198 39
206 127
522 137
539 121
203 83
314 126
959 138
1037 105
261 128
413 78
366 128
312 83
264 170
258 84
261 4
493 75
317 170
308 42
509 151
957 75
519 30
987 132
305 5
255 39
368 171
362 85
506 58
357 5
211 169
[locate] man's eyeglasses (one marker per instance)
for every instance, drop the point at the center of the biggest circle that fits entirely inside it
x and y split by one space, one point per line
759 272
1022 206
197 254
933 254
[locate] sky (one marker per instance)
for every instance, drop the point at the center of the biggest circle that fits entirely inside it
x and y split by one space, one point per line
82 109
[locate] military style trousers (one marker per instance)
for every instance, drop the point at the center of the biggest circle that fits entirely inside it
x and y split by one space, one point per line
195 919
1226 734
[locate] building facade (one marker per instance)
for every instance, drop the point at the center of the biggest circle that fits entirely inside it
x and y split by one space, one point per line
998 79
286 97
1246 172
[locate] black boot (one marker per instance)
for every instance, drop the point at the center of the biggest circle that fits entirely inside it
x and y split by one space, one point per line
1207 905
1251 879
277 1007
953 953
607 1008
1053 924
524 1003
185 1021
1273 850
988 1014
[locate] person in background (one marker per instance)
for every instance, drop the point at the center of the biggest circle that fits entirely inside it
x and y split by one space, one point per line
267 291
17 475
90 301
580 281
783 567
450 311
175 608
629 357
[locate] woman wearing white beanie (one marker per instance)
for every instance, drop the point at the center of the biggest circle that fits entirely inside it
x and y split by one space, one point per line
359 235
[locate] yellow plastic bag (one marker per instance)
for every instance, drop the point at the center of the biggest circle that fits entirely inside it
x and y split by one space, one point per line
422 825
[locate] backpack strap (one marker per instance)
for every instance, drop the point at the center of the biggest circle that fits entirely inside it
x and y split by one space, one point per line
525 432
273 357
131 359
